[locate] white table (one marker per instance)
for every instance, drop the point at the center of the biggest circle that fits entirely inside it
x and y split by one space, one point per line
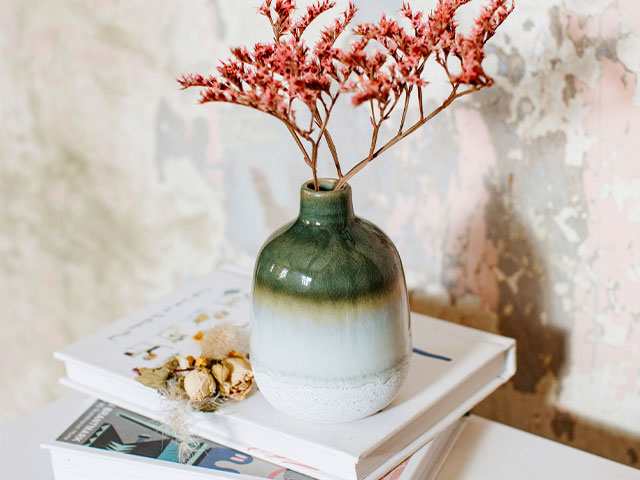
490 450
485 450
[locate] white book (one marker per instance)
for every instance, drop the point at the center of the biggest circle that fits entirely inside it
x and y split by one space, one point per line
106 442
452 369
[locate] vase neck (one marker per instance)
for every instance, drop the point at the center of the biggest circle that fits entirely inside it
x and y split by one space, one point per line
325 207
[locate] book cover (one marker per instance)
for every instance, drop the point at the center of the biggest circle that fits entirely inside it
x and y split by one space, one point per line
121 434
105 426
453 367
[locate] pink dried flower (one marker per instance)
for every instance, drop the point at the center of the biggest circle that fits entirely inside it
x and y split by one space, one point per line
313 12
471 48
275 77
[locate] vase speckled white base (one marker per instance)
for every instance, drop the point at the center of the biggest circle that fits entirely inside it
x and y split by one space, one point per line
331 404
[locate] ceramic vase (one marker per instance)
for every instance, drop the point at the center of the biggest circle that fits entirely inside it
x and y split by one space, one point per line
330 327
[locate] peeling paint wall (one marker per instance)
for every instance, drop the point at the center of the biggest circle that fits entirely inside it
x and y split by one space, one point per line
516 211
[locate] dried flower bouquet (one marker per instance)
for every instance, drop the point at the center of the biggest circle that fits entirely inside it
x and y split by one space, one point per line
200 384
218 374
279 77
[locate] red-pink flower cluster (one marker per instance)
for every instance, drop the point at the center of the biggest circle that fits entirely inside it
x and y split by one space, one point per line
470 49
272 76
384 61
404 54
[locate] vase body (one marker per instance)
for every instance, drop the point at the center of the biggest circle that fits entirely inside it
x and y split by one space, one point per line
330 327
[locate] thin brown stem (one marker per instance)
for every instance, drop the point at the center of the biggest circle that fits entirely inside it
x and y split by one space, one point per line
376 128
323 127
276 37
311 120
364 162
443 64
374 138
407 95
330 144
293 129
324 105
334 152
420 103
421 122
384 113
299 143
314 166
315 115
373 115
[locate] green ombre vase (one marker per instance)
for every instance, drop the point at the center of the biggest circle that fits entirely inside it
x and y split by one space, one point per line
330 336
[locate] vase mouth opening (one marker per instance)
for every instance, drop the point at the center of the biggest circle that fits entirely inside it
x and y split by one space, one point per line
325 186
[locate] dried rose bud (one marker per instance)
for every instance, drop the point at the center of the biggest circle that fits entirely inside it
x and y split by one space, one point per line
199 384
183 363
234 376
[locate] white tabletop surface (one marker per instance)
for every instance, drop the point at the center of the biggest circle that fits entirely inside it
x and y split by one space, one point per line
485 450
490 450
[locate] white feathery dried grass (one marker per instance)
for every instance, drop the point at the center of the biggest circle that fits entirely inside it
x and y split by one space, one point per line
179 413
217 342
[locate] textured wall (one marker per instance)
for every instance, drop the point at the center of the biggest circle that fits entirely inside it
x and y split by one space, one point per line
516 211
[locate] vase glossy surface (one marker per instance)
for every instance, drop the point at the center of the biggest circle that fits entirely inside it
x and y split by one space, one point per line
330 336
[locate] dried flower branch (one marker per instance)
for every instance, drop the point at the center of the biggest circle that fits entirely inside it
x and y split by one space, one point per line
276 78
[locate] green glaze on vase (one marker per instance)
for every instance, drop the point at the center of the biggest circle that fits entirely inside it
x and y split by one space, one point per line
330 336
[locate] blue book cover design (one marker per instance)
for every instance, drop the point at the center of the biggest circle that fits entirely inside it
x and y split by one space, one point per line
108 427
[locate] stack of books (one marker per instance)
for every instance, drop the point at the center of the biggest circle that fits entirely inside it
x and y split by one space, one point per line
122 434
